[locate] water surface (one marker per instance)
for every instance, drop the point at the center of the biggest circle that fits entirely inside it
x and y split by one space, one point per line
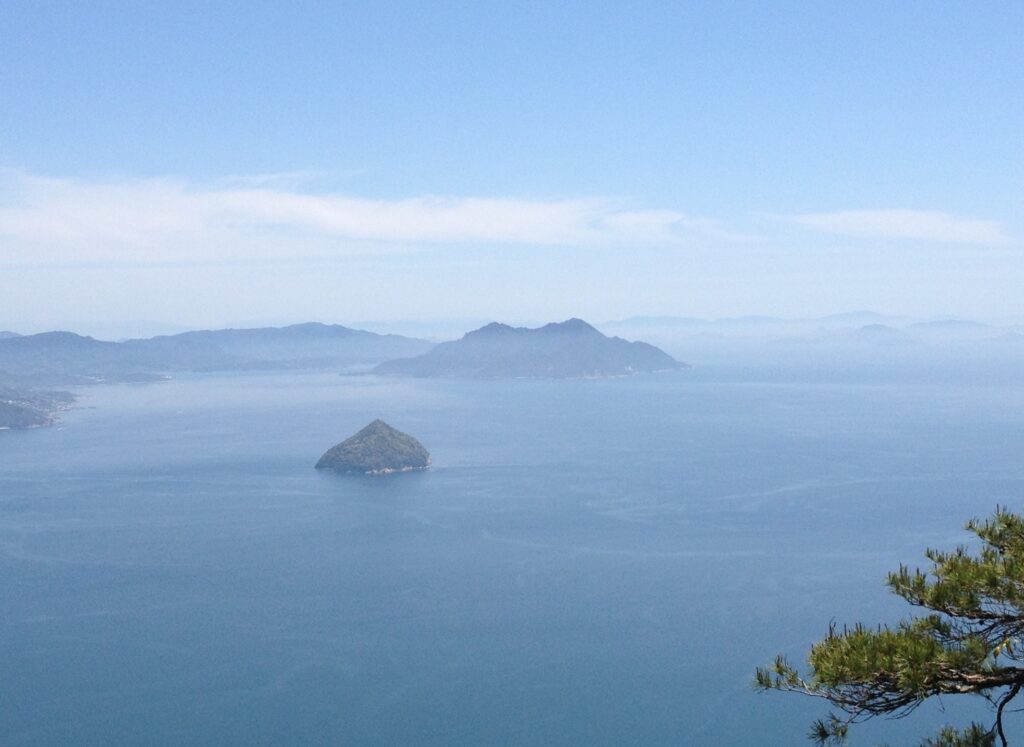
596 562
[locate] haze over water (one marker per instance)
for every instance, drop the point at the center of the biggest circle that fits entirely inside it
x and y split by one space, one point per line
588 562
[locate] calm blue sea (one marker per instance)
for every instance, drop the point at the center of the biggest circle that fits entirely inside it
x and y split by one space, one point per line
588 562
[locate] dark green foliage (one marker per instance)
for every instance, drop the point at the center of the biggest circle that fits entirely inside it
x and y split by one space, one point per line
968 643
376 449
974 735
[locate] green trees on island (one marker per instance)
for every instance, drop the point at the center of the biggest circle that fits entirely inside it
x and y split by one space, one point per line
968 641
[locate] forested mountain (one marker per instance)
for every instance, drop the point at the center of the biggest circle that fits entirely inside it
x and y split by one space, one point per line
570 349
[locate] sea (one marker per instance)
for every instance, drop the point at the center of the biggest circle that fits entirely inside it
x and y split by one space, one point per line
596 562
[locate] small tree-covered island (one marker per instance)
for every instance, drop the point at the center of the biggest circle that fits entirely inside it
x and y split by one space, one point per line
378 449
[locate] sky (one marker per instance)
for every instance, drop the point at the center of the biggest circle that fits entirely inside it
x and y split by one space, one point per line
178 165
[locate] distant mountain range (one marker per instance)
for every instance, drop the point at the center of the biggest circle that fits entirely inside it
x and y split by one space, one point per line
850 327
570 349
845 319
850 319
64 357
310 345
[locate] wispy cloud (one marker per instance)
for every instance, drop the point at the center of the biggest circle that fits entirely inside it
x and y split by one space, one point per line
159 220
921 225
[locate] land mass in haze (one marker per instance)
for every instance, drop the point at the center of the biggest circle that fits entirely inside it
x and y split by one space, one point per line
61 358
27 408
377 449
570 349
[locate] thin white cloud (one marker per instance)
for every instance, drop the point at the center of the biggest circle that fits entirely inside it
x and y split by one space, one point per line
44 220
921 225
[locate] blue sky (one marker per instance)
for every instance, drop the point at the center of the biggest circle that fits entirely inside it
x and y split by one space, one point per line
205 163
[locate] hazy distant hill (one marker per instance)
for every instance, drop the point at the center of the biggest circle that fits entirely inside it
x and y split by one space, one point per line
311 345
863 317
752 325
7 335
955 329
854 344
950 324
64 357
61 357
570 349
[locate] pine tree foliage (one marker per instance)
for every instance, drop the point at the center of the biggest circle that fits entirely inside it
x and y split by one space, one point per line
975 735
969 641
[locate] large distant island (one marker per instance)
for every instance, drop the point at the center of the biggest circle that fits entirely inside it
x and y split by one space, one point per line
378 449
30 365
570 349
65 358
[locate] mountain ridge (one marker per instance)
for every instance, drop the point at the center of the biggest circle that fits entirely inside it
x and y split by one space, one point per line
67 357
569 349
